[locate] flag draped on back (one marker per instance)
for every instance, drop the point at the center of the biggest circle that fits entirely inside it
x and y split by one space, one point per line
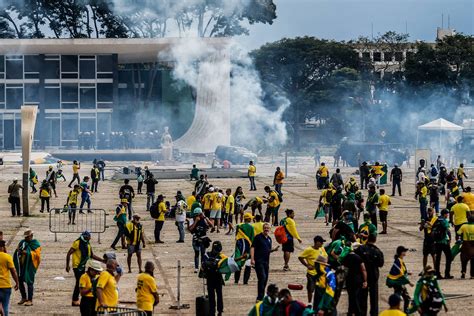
27 258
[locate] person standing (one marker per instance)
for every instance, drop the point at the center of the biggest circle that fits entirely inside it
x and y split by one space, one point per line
181 208
27 258
159 222
71 203
394 302
7 267
324 301
251 172
291 233
364 172
442 241
433 189
356 282
85 195
107 290
101 165
199 229
229 209
323 176
468 198
439 162
86 288
336 179
151 183
273 206
384 203
51 178
147 291
421 194
126 192
467 235
372 203
244 236
33 180
76 166
398 277
373 260
135 237
278 180
317 157
214 278
81 252
307 258
121 219
428 241
45 195
459 213
95 177
396 177
140 181
260 258
201 187
14 197
217 199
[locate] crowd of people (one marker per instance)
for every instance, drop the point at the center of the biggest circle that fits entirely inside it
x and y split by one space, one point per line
349 259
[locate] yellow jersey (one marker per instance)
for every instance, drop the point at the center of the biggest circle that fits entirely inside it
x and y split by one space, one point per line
467 232
279 177
378 170
384 202
190 200
162 209
323 171
469 200
252 171
72 197
460 212
76 255
86 283
276 199
217 200
257 228
392 312
230 204
146 286
75 169
108 284
311 254
6 263
207 201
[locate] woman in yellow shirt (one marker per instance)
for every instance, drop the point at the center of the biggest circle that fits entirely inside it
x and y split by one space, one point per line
147 291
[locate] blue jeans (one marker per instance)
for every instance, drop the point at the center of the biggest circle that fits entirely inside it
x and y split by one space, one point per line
198 250
181 230
423 205
150 199
120 233
84 200
29 286
261 269
5 299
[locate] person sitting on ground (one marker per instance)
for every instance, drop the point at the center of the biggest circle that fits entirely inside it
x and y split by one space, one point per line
194 173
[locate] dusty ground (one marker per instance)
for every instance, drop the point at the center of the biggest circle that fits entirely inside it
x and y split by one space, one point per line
53 297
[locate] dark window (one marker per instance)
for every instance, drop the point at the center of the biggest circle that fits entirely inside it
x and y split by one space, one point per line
377 56
398 56
2 92
87 70
68 76
51 98
31 92
14 69
69 92
32 63
105 92
51 69
70 126
32 76
88 125
67 105
14 98
105 63
2 63
387 56
105 76
366 56
88 98
68 63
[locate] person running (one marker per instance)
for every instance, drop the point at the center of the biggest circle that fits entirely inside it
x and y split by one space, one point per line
71 203
461 175
428 298
322 176
51 178
278 180
467 248
373 260
45 195
273 205
107 290
244 236
27 258
81 252
159 222
291 233
121 219
307 258
266 306
255 204
200 242
384 202
428 241
459 213
151 183
260 258
394 302
147 291
126 192
95 177
14 197
396 177
398 277
229 210
135 237
442 244
86 287
86 194
421 194
7 268
251 172
76 166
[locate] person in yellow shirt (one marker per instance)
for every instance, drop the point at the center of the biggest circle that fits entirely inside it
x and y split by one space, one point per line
71 203
322 176
76 166
461 175
191 199
291 233
258 224
6 268
325 201
307 258
384 202
159 222
135 237
467 248
273 205
107 291
378 172
394 302
217 199
207 201
459 213
147 291
255 204
229 210
469 198
94 268
278 180
252 170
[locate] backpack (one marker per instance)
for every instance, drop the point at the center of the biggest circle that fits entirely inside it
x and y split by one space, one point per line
434 171
439 231
280 198
434 300
280 234
126 194
154 212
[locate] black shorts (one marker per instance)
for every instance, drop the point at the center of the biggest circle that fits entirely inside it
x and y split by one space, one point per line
311 282
428 247
289 246
383 216
272 211
229 218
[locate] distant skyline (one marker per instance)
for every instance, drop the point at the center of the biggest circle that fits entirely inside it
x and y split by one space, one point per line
349 19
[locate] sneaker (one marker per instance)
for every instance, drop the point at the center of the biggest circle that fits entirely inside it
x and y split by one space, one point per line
463 275
159 242
22 302
196 270
449 277
179 241
28 303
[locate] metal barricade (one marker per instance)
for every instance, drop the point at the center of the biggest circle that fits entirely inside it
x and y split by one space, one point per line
94 221
122 311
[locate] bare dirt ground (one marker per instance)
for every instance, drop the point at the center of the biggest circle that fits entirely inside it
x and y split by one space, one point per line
53 297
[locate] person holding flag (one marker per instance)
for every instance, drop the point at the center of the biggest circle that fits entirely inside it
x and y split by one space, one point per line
244 236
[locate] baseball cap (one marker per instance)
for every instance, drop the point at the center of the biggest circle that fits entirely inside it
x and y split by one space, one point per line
248 216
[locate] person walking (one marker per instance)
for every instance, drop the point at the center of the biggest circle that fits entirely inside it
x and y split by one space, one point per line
322 176
217 199
86 194
398 277
260 258
194 173
384 203
251 172
278 180
428 241
373 260
51 178
467 248
76 166
291 233
364 172
45 195
356 282
33 180
200 187
428 298
181 208
86 287
336 179
459 213
121 219
442 244
71 203
126 192
461 175
199 229
151 183
244 236
396 177
27 258
140 181
421 194
433 190
372 203
81 252
95 177
14 197
147 291
107 290
230 209
135 236
159 222
7 268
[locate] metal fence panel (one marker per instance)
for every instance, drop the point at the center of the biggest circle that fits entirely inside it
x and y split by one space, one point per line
120 311
94 222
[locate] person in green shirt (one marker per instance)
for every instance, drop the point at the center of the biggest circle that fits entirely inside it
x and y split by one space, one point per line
268 306
428 298
366 229
194 173
442 244
121 219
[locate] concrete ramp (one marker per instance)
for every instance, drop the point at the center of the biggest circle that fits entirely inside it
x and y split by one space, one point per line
211 123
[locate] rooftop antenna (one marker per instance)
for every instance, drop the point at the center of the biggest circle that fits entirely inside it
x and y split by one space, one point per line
406 27
372 28
442 20
449 21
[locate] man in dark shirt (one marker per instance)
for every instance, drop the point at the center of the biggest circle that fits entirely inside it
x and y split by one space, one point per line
150 182
396 179
356 281
428 241
373 259
364 171
127 192
260 258
200 187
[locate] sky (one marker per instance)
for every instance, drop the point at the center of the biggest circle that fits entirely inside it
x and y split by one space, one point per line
349 19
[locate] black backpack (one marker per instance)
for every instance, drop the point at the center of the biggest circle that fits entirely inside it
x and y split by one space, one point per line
434 299
439 231
154 212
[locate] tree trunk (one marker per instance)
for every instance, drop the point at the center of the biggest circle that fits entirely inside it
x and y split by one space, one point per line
94 18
